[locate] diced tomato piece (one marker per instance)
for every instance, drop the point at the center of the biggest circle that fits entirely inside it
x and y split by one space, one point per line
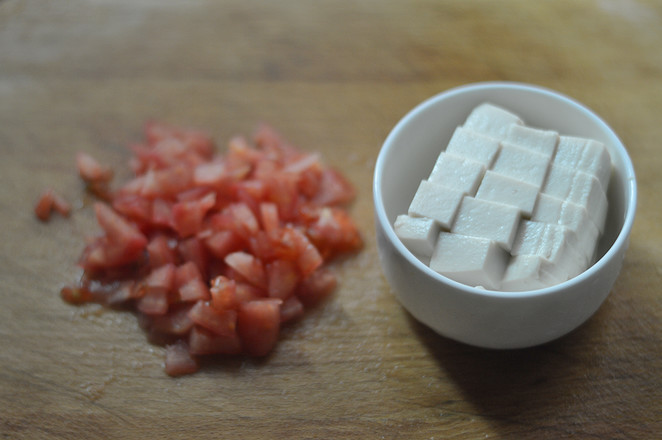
283 278
44 205
76 295
223 293
202 341
48 201
176 322
220 322
179 360
160 251
91 170
317 286
190 284
249 267
162 278
154 301
188 216
166 182
122 244
258 325
282 189
61 205
269 217
246 292
192 249
334 189
221 243
291 309
334 233
133 206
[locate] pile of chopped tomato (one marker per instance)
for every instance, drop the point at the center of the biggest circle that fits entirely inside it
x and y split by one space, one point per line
215 252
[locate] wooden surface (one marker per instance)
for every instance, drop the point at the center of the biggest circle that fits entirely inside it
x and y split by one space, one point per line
333 76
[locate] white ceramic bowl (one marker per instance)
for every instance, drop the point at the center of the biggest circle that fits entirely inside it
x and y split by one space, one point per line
478 317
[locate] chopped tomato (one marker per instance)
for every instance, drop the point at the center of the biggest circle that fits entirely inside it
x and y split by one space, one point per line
215 252
91 170
48 201
258 324
179 360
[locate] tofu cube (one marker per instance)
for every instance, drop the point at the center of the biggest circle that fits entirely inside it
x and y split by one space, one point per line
418 234
457 172
527 272
540 141
587 155
521 164
551 242
493 221
580 188
438 202
473 145
469 260
498 188
556 211
492 120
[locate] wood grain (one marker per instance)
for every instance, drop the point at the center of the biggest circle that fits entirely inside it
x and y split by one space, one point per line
333 76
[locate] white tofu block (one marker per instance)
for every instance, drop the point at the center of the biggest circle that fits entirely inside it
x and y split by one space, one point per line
469 260
437 202
473 145
527 272
521 164
457 172
553 243
492 120
556 211
418 234
580 188
498 188
540 141
587 155
484 219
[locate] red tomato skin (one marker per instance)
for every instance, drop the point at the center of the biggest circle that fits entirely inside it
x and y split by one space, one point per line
125 243
283 278
316 287
223 292
220 322
250 268
202 341
179 361
291 309
90 170
258 326
44 205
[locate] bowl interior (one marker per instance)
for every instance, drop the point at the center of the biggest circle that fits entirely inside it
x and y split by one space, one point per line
412 147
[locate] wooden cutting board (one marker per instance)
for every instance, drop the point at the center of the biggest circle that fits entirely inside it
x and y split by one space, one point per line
333 77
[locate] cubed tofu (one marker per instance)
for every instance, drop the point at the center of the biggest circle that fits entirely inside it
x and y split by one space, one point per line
457 172
493 221
527 272
492 120
575 217
438 202
473 145
521 164
469 260
580 188
498 188
551 242
587 155
418 234
540 141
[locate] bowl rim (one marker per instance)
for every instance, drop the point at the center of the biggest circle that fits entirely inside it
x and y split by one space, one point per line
629 178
